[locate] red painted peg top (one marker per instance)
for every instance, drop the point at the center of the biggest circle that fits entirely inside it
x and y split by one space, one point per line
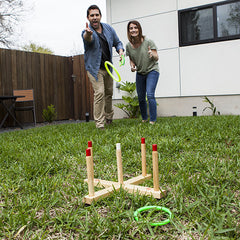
143 140
154 147
89 143
88 152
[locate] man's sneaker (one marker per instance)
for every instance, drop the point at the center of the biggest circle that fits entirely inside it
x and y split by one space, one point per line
108 121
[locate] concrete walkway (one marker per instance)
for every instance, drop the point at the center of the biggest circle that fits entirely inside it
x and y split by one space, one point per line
30 125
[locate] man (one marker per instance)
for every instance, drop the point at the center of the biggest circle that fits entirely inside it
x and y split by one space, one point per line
99 39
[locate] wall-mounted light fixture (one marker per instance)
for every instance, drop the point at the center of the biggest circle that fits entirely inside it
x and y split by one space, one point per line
194 111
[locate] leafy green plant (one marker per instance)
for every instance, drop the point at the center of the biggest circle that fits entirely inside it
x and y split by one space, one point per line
212 107
131 107
49 114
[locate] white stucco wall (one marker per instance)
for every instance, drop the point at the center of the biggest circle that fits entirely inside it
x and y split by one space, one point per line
182 4
210 69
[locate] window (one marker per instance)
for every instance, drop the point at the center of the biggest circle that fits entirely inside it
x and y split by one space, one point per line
210 23
228 19
197 25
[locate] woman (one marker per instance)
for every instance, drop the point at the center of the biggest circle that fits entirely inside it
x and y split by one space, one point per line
143 57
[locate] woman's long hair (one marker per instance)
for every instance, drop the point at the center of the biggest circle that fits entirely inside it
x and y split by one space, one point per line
140 36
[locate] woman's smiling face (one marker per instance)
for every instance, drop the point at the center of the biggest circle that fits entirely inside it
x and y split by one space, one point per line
133 30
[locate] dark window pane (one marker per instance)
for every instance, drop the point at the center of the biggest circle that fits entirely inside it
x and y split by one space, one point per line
197 25
228 19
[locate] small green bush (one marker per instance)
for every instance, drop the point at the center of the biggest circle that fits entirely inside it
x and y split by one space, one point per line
49 114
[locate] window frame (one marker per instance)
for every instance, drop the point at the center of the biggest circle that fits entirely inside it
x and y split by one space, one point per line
215 26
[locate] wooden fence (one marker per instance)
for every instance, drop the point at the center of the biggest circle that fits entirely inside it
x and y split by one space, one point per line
83 92
57 80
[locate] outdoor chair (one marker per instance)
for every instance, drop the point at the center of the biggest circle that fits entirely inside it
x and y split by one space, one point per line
25 103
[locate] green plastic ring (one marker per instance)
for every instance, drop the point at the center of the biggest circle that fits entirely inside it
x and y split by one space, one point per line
122 62
146 208
110 64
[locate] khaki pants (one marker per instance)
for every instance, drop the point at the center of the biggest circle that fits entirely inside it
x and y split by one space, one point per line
103 91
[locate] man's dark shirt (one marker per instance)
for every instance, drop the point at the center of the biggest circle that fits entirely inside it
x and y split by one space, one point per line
105 50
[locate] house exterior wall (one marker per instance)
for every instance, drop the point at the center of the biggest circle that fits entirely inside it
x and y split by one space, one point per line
186 73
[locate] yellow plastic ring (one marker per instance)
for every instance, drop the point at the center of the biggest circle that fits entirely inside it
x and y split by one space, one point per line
116 71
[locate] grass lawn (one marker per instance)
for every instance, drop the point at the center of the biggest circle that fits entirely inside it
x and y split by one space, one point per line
42 172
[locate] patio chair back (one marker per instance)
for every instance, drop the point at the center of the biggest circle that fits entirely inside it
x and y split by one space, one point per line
28 97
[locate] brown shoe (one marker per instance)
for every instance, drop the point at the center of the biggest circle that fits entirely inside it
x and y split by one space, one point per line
108 121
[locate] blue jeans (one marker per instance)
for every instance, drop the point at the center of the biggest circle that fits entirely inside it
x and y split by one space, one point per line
147 84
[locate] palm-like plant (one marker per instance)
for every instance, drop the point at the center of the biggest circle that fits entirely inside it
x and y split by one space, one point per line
212 107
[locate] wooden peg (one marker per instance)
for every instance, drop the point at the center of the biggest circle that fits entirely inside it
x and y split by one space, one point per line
90 173
155 167
143 154
119 163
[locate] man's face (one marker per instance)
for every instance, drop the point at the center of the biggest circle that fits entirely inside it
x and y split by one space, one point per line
94 18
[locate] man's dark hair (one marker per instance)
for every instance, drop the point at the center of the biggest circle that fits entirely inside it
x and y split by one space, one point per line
93 7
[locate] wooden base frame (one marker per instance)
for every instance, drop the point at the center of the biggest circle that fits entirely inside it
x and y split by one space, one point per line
130 185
